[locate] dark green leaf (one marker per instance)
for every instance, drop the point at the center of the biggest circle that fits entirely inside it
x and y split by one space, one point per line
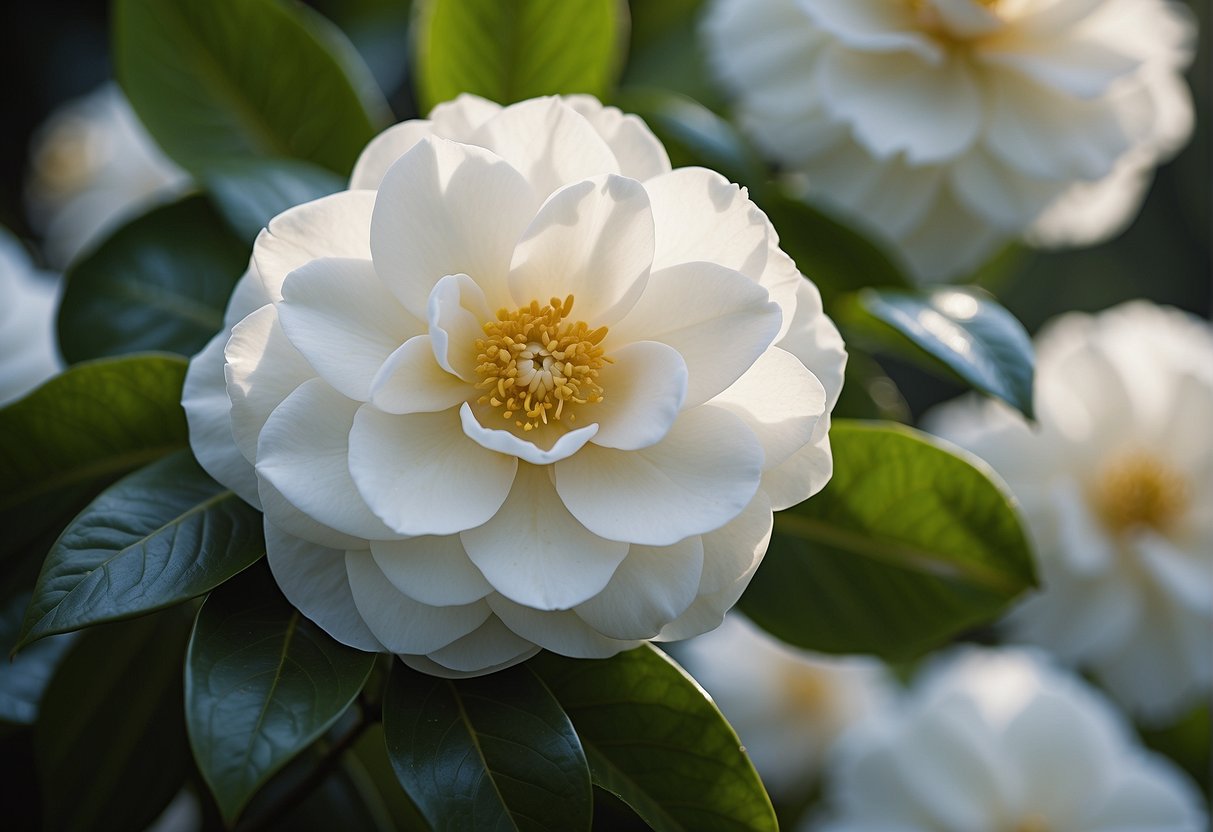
24 677
110 740
159 536
492 753
262 683
159 283
81 430
227 79
654 739
908 545
964 329
251 192
510 50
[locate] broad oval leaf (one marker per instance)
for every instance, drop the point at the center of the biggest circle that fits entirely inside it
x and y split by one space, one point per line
909 544
23 678
251 192
510 50
159 536
262 683
110 740
964 329
654 739
494 752
84 428
159 283
237 78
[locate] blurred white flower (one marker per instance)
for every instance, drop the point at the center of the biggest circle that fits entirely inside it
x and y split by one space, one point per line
1116 483
93 166
787 705
522 386
950 126
29 354
1002 741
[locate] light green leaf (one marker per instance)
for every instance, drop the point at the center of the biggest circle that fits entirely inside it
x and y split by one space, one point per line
227 79
262 683
493 752
964 329
109 740
160 283
908 545
159 536
251 192
655 740
510 50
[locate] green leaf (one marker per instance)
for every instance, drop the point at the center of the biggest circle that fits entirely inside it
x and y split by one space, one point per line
110 740
227 79
963 329
510 50
493 752
908 545
80 431
833 255
157 537
654 739
159 283
251 192
24 678
262 683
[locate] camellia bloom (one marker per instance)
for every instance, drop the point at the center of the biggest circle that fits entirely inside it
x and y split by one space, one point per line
29 354
1116 483
948 127
1002 740
93 167
521 386
787 705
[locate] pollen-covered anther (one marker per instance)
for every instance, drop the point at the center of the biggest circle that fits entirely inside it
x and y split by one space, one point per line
535 364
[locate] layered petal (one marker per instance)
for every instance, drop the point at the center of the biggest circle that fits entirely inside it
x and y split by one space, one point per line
647 384
639 154
560 631
410 381
431 570
490 647
548 444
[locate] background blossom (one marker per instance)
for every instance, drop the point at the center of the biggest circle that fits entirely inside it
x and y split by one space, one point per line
29 353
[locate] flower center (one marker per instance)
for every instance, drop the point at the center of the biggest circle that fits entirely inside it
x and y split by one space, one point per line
534 364
1138 490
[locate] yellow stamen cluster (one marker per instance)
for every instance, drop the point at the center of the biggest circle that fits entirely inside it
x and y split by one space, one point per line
1138 490
533 363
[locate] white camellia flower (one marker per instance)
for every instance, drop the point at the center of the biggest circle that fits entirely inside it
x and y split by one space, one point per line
1116 483
94 166
521 386
1006 742
948 127
29 354
787 705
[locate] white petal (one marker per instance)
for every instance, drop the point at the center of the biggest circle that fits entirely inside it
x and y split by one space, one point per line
701 216
400 623
780 400
549 143
560 631
431 570
421 475
801 475
651 588
1079 66
343 319
1185 576
410 381
883 98
640 155
314 580
717 319
815 340
950 241
447 208
698 478
490 647
304 451
291 521
208 412
337 225
535 553
248 296
385 149
460 118
593 240
1005 197
536 452
457 312
967 19
644 388
1153 795
872 26
424 664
